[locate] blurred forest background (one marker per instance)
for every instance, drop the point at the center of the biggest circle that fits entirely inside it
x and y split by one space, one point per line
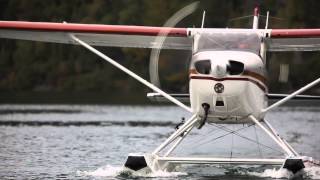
35 72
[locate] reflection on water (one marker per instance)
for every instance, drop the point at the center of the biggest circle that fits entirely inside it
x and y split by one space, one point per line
67 141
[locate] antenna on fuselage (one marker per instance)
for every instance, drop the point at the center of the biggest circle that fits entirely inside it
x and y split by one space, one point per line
267 20
255 24
203 18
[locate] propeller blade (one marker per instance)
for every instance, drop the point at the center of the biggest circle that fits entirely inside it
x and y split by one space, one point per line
155 53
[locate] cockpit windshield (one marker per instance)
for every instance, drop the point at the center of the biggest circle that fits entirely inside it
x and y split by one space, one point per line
227 41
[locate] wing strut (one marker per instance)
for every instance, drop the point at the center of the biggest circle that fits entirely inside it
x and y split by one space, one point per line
132 74
280 102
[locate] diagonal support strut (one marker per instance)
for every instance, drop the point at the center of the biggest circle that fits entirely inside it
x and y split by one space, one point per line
130 73
284 100
186 126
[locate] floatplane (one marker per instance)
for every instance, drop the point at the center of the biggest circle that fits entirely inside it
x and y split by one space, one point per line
227 77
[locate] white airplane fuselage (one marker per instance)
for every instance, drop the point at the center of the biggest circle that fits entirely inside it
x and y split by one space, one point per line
232 83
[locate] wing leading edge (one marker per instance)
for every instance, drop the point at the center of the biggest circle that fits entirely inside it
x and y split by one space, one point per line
97 35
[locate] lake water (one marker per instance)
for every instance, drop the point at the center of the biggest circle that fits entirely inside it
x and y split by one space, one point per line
92 142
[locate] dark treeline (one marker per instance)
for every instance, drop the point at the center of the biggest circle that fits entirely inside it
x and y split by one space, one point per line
49 72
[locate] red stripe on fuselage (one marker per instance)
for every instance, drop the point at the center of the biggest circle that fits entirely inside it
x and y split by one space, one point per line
262 87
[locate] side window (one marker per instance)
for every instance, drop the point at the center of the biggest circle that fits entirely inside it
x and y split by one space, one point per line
203 66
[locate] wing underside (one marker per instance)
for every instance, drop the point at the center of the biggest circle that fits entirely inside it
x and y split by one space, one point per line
96 39
293 44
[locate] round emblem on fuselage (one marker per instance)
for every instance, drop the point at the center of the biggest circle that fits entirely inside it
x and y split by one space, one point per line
219 88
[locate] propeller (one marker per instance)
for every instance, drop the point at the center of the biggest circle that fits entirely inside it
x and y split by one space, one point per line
155 53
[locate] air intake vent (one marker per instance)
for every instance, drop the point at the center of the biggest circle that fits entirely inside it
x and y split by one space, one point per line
235 67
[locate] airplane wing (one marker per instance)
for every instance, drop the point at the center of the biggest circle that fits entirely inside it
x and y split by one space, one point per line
293 40
89 35
97 35
297 100
156 97
143 36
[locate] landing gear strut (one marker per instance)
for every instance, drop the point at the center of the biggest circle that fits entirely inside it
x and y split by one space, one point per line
161 160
